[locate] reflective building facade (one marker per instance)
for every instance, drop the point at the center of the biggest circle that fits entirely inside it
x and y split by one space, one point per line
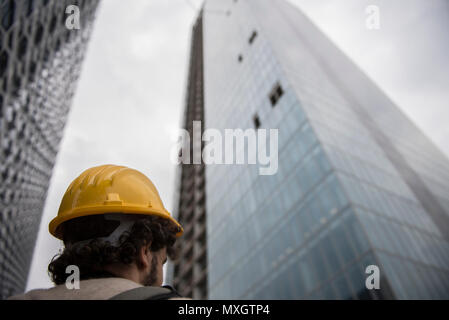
40 61
357 184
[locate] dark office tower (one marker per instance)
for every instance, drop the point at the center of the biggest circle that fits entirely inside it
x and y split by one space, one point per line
357 185
190 275
40 61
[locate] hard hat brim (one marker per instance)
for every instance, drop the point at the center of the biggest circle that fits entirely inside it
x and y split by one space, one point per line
95 210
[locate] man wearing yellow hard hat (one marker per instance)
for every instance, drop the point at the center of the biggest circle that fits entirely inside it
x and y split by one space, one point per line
117 236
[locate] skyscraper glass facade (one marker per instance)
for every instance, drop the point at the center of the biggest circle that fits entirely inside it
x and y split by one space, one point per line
357 184
40 60
190 276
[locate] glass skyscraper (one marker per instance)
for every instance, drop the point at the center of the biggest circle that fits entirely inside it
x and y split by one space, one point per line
357 184
40 61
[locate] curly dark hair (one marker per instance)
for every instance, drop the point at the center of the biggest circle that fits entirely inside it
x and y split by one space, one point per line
92 257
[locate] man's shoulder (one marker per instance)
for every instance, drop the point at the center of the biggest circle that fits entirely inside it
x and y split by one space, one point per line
92 289
27 295
149 293
102 289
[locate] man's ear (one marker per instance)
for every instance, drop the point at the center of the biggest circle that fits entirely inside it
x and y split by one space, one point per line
144 257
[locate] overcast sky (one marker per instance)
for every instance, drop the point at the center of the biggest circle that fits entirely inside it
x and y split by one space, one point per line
130 96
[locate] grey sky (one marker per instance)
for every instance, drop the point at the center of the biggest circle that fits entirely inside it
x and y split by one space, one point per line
130 96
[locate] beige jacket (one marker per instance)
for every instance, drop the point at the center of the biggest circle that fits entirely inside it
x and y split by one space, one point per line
95 289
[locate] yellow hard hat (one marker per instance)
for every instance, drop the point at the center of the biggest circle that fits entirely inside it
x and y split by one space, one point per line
110 189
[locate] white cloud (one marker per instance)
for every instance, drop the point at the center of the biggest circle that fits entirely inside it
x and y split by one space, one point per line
407 57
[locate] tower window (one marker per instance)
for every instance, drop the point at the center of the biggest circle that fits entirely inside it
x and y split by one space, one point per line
240 58
253 37
276 94
3 62
8 11
256 120
30 7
